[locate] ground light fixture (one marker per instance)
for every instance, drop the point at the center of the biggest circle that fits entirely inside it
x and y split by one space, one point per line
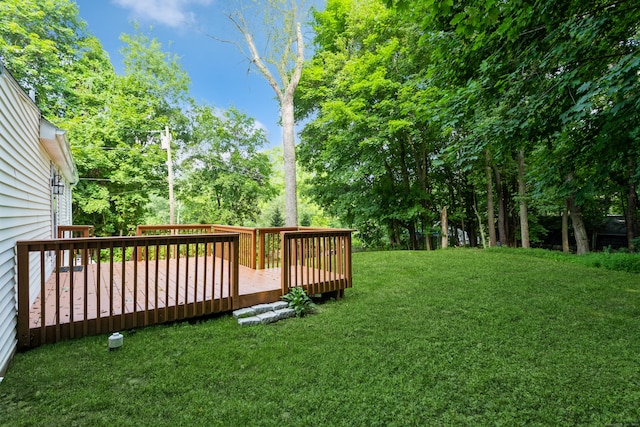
115 341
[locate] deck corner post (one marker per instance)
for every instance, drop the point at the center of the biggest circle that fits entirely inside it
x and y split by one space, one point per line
253 248
235 299
285 269
349 272
261 255
24 338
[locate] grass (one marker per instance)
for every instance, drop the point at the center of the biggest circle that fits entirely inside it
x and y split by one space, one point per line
450 337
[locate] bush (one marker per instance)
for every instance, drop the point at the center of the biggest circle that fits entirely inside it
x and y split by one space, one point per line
299 301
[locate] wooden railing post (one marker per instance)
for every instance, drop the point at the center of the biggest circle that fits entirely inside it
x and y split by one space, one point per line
285 269
138 253
24 336
261 254
235 256
253 248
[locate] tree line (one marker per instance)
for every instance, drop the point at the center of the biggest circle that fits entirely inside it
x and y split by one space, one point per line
482 116
420 117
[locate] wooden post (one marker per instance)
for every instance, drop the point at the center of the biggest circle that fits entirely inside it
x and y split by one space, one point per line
253 248
24 338
285 269
261 254
235 255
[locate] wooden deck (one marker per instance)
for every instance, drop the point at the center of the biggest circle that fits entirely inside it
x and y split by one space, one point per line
99 300
74 287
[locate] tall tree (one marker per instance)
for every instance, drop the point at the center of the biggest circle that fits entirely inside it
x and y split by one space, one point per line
550 73
281 65
374 143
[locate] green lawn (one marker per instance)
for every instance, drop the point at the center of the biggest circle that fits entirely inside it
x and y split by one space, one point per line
450 337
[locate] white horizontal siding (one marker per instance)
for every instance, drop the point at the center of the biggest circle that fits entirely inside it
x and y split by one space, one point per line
25 199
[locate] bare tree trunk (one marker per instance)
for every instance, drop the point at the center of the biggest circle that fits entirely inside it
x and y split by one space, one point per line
522 192
579 229
444 223
490 207
285 90
565 227
480 225
289 149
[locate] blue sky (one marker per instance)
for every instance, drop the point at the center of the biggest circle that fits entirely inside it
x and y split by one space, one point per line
218 71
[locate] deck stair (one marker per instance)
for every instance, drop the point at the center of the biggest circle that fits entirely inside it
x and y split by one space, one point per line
263 313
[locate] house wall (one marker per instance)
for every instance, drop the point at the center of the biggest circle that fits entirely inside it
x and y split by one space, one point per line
26 200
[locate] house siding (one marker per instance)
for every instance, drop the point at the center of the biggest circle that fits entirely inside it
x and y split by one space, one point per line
26 200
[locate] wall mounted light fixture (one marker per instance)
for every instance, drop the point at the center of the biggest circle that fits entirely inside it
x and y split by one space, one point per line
57 184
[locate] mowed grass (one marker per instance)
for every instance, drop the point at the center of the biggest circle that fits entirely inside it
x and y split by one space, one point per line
450 337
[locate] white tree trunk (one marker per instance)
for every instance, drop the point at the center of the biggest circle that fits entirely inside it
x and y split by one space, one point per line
289 147
522 192
284 90
444 223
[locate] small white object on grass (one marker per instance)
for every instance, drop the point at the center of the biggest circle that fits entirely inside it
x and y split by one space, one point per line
116 340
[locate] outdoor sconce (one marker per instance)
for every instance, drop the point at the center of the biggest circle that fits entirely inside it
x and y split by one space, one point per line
57 184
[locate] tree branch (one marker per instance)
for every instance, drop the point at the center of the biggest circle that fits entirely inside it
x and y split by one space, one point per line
297 72
255 56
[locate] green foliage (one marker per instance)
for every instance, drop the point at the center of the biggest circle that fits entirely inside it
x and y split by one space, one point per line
299 301
38 41
277 220
223 176
305 221
407 100
367 147
615 261
456 337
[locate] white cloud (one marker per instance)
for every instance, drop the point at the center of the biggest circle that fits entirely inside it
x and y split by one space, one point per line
173 13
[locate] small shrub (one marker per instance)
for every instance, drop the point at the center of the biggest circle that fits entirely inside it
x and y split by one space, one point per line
299 301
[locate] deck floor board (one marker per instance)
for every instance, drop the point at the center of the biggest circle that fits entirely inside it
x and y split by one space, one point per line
139 288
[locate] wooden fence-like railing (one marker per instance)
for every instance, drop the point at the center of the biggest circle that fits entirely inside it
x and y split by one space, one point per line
247 248
72 231
259 248
318 260
269 246
168 230
113 292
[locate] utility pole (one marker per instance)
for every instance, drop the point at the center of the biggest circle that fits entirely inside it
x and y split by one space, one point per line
165 139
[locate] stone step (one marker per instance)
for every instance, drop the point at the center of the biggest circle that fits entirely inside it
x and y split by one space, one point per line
263 313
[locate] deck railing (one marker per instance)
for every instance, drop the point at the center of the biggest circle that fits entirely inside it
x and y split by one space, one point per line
247 247
168 230
269 246
72 231
166 273
125 293
318 260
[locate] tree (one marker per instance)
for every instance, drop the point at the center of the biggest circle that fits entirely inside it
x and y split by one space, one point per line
281 66
276 219
372 143
547 74
39 40
223 177
114 129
